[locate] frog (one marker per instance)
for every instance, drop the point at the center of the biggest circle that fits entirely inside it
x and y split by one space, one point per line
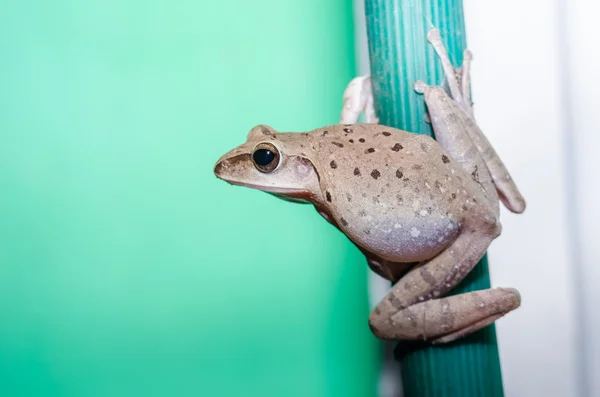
422 211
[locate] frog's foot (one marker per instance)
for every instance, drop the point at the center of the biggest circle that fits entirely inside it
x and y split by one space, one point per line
458 80
358 96
447 319
414 307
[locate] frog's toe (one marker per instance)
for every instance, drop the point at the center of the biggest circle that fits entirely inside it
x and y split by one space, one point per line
420 86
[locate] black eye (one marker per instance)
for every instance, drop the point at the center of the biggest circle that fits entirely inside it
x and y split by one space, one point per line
265 157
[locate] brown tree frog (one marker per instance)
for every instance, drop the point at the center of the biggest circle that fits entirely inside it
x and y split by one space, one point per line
422 211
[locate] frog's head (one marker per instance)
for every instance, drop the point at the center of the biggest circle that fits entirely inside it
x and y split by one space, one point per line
273 162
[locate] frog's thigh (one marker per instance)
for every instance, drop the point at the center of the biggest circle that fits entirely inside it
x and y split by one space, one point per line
429 281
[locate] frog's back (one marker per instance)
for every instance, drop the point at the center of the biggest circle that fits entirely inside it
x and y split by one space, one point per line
391 191
343 141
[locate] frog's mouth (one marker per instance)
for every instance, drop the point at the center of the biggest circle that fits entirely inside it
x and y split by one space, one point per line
287 194
300 198
222 171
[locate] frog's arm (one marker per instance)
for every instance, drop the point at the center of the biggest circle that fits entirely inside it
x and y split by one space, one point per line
358 97
507 190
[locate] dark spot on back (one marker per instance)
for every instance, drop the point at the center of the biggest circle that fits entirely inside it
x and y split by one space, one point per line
338 144
357 172
349 197
399 174
423 147
416 190
367 231
375 174
417 167
362 213
362 140
445 159
333 164
464 207
438 184
386 133
475 175
397 147
351 141
347 130
369 150
343 222
399 198
325 133
328 196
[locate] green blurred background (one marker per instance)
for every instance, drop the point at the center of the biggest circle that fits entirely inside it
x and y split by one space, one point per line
126 267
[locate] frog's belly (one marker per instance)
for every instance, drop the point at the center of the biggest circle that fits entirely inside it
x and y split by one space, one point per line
406 241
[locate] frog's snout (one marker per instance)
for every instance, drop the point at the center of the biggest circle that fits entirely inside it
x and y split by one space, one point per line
223 169
219 169
230 168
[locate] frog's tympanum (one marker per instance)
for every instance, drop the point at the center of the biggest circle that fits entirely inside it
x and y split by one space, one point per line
422 211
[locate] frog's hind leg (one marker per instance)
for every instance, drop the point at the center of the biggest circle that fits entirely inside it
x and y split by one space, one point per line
447 319
358 96
414 309
461 94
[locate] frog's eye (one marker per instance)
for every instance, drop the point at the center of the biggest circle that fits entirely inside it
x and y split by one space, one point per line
265 157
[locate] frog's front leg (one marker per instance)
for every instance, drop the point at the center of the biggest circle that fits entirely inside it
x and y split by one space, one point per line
413 309
358 96
456 130
450 126
459 80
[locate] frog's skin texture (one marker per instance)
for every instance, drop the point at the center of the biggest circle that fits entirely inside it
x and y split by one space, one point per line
422 211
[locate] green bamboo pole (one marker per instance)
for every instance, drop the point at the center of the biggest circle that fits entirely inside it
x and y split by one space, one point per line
399 56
